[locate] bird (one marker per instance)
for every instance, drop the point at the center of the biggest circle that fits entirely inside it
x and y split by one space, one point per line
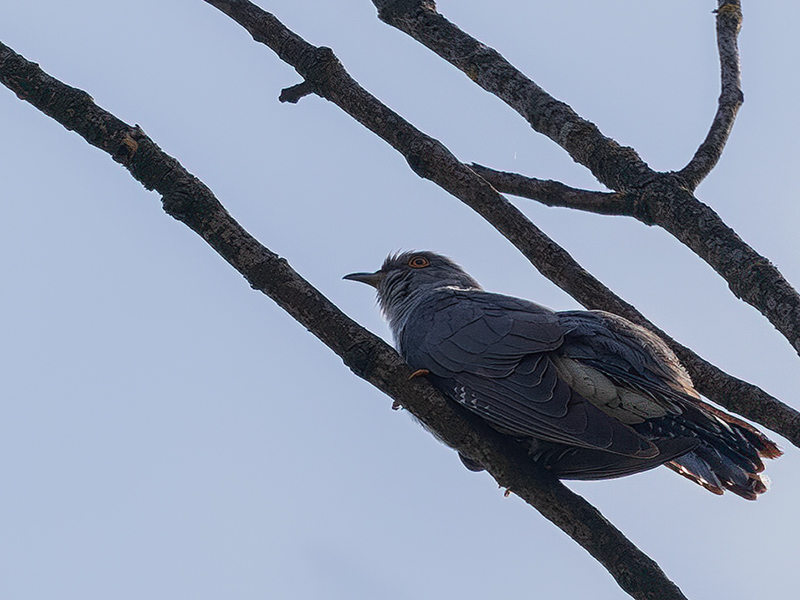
591 394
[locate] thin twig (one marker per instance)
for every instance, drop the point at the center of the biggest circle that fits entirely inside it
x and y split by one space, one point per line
190 201
294 93
665 198
729 22
555 193
430 159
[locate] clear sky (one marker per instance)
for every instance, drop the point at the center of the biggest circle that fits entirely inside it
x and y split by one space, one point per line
166 432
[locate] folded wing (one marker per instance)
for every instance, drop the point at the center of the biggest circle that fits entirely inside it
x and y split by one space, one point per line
495 355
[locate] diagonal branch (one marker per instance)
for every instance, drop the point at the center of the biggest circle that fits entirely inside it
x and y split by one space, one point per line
666 199
430 159
729 22
617 167
555 193
187 199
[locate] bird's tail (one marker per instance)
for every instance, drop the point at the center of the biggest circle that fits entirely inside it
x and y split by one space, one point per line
729 458
713 470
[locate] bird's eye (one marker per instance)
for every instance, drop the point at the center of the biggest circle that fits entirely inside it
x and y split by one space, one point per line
418 262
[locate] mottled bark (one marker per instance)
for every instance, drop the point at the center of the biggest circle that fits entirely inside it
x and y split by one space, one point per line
187 199
432 160
663 199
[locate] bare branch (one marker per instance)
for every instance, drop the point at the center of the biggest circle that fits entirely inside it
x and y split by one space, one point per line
729 22
187 199
430 159
555 193
617 167
665 198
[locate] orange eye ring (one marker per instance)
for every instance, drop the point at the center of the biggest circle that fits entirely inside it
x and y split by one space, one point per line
418 262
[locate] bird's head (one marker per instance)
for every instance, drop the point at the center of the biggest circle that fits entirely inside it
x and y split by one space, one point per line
408 276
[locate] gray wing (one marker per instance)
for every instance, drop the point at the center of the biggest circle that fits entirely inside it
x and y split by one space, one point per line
494 355
629 354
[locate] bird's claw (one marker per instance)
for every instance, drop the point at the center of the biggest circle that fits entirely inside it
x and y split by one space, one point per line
418 373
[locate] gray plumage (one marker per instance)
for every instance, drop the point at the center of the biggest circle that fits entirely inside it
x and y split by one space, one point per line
591 394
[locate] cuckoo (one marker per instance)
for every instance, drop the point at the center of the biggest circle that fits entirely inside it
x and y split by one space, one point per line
590 394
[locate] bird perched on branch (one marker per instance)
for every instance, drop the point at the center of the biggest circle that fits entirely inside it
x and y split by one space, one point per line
591 394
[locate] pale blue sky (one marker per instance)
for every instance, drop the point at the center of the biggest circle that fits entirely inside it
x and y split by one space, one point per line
166 432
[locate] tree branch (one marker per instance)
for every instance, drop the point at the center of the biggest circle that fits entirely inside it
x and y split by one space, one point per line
555 193
617 167
665 197
729 22
430 159
187 199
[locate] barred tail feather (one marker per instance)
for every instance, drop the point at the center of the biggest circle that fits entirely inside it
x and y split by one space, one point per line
717 472
729 454
765 447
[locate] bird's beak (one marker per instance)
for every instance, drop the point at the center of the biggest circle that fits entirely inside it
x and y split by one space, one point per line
373 279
